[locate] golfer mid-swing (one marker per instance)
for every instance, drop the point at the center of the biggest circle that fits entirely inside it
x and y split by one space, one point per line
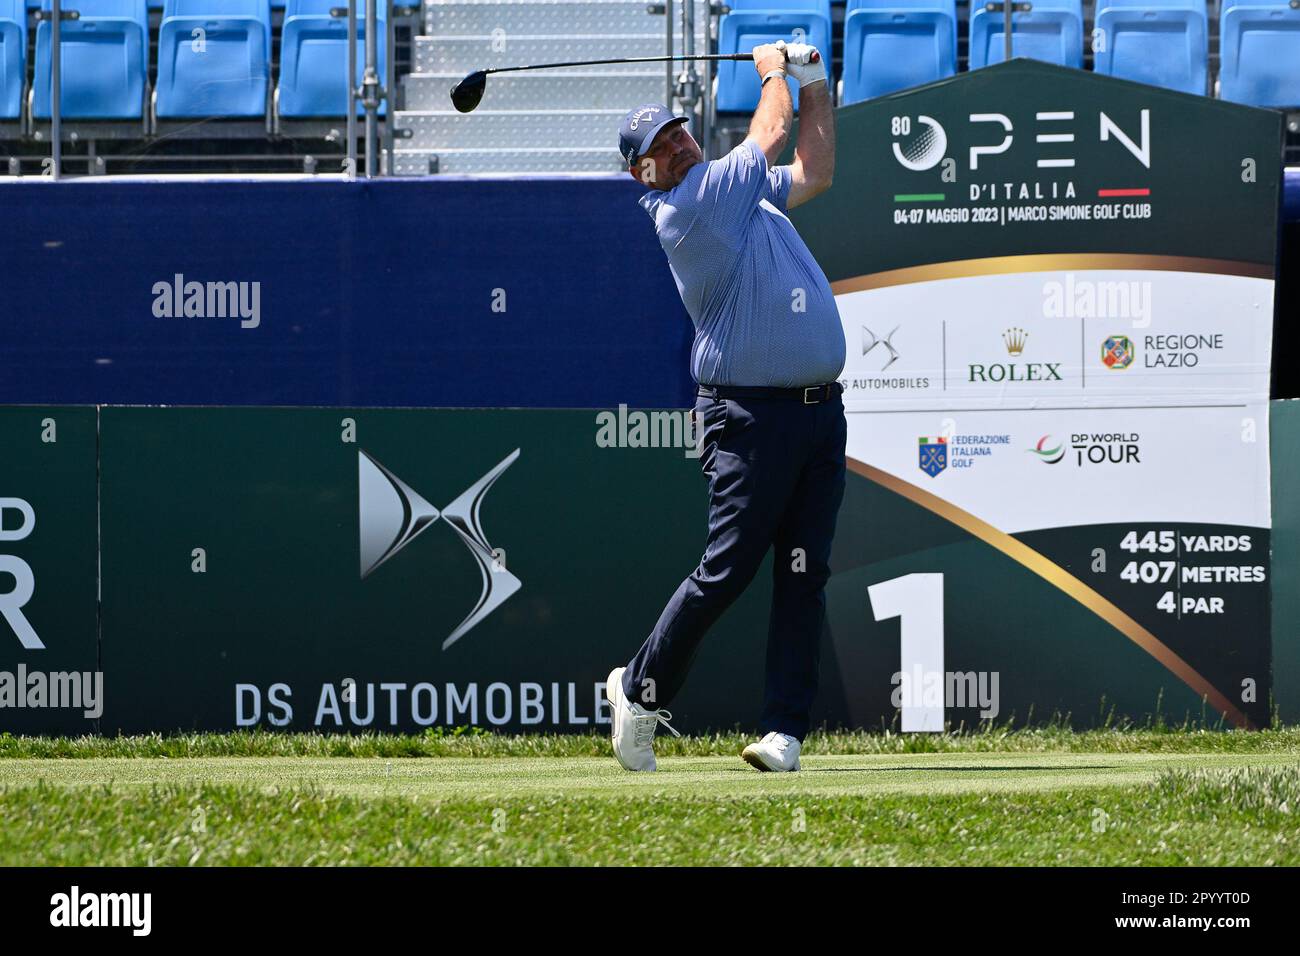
768 350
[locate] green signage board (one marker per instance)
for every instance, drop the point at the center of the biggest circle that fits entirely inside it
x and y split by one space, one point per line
436 567
49 654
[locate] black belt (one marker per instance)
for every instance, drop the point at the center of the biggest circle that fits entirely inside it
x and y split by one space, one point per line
808 395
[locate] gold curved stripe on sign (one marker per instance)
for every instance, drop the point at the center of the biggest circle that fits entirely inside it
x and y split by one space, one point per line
1057 576
1050 262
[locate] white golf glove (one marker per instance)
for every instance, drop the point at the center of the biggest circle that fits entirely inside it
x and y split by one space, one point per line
800 63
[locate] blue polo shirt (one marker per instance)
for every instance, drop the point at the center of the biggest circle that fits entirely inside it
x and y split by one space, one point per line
764 313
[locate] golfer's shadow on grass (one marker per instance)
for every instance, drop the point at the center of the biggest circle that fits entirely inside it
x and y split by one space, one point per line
912 769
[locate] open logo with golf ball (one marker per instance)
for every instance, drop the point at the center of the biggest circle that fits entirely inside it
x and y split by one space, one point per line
921 145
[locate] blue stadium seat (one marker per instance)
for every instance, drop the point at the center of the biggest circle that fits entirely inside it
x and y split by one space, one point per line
1051 31
13 57
231 75
1259 53
782 6
741 31
313 57
105 61
1158 42
893 44
275 4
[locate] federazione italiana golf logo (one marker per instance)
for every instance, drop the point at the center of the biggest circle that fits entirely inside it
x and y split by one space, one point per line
933 455
959 451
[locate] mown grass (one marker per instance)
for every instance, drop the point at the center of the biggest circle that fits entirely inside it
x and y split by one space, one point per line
465 742
1236 816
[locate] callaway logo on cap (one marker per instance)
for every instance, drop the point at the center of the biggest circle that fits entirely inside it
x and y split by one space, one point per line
640 127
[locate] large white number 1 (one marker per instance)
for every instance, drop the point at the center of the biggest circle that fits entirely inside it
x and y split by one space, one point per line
918 600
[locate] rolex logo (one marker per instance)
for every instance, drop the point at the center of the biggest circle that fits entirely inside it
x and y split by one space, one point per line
1015 340
998 372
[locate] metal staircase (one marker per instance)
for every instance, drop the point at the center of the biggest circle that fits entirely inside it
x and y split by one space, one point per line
542 121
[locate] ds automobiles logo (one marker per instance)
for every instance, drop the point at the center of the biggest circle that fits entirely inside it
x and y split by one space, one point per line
392 515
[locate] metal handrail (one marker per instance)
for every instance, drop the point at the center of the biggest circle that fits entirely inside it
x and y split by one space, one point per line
352 90
390 80
668 67
370 94
56 105
687 88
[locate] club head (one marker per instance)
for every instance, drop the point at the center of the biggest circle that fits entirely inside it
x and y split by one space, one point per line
466 94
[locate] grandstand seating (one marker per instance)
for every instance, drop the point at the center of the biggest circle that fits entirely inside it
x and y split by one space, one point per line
229 75
893 44
275 4
1259 53
313 58
1052 31
560 120
105 61
1159 42
754 22
13 58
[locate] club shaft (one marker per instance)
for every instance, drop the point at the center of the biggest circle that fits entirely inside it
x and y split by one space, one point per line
629 59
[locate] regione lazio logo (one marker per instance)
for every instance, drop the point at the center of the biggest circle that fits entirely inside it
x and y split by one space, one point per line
393 514
933 455
1117 352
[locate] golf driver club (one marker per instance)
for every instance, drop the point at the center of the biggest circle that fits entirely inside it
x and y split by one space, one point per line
467 94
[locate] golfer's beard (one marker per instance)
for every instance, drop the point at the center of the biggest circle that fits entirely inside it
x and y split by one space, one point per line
679 172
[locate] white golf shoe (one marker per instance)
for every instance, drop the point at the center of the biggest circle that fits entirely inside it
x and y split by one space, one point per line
775 752
632 726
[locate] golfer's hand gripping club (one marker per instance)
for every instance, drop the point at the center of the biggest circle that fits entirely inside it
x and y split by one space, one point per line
802 61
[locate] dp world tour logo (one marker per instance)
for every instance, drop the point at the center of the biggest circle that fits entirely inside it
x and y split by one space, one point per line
933 456
919 147
1048 450
392 515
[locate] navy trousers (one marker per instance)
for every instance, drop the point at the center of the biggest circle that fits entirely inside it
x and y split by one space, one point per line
776 479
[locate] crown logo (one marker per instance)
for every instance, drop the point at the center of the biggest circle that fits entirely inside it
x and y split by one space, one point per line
1015 340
